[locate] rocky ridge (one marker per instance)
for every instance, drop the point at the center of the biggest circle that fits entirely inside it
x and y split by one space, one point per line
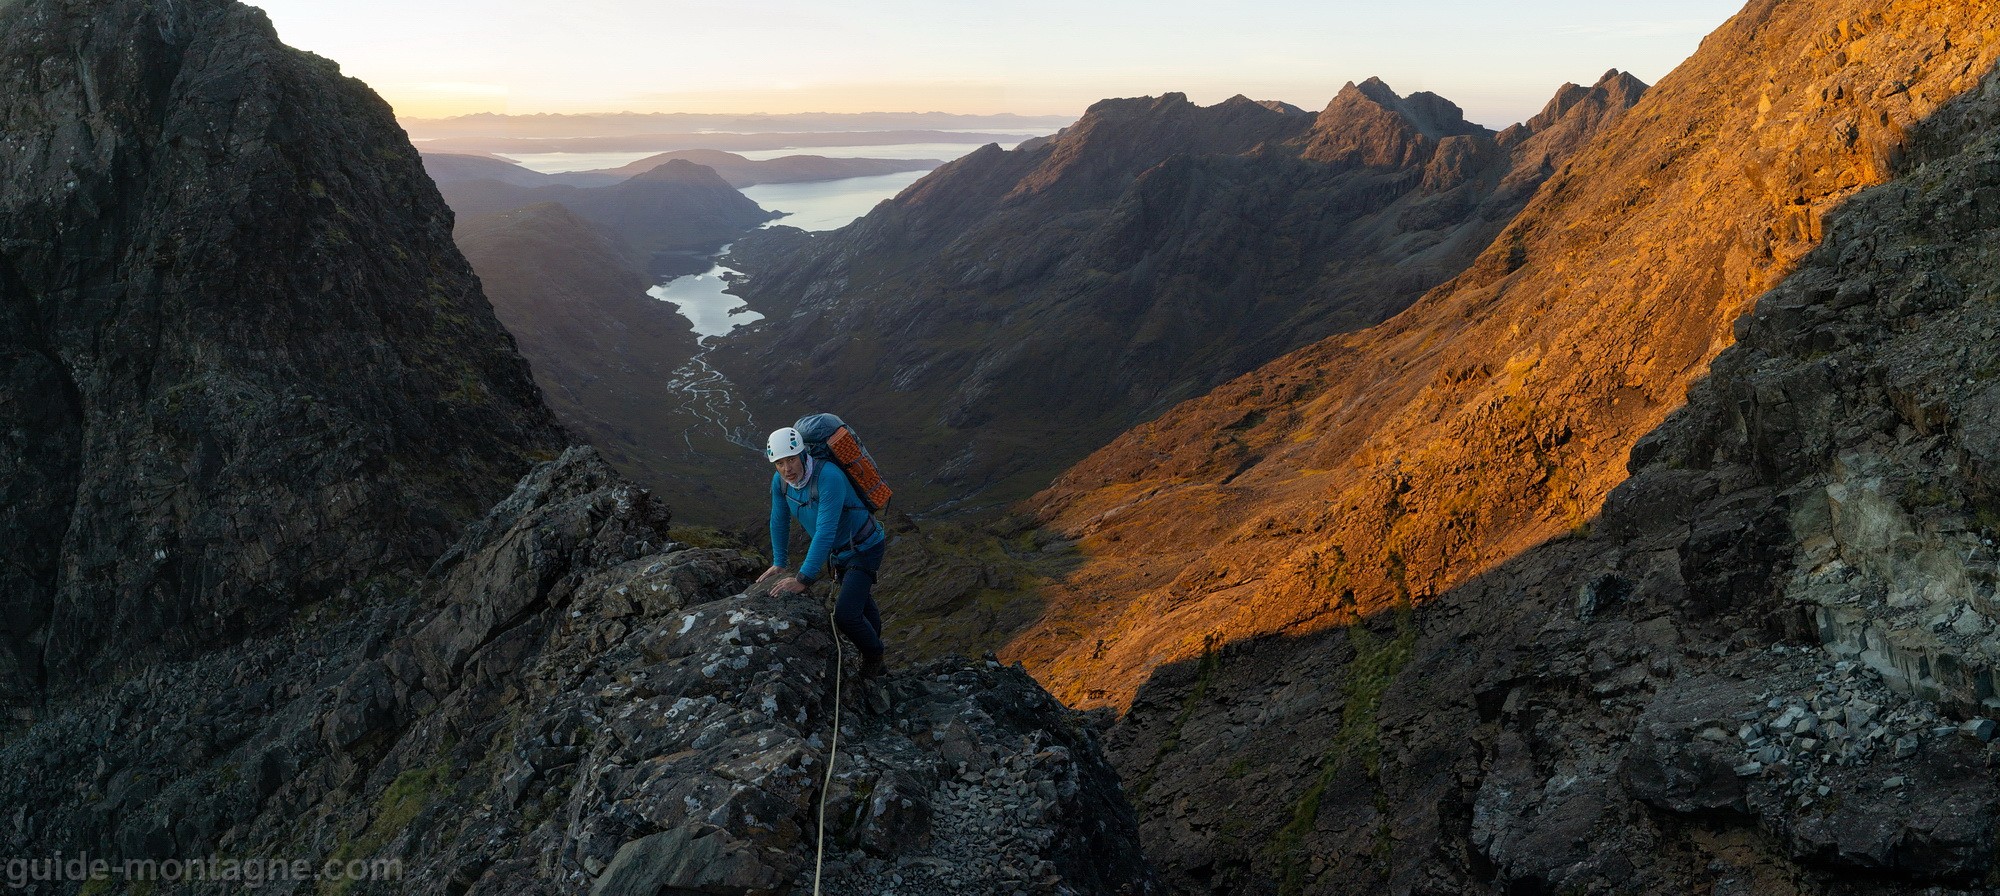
1149 252
1399 462
572 702
1763 668
245 370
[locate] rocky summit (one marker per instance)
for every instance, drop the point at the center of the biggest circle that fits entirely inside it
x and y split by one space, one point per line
244 368
573 703
1015 309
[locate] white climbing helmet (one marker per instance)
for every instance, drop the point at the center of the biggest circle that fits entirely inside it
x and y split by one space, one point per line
784 443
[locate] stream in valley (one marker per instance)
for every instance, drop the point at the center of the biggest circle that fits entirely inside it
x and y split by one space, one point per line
708 398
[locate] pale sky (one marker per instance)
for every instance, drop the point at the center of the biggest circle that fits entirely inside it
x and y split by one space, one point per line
1500 61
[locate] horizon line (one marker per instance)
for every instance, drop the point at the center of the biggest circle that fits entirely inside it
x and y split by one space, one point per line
730 114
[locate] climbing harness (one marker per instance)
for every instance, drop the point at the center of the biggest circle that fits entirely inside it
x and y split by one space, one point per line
833 750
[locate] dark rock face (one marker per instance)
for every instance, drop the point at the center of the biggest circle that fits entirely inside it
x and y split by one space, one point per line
1765 668
671 217
244 366
1055 295
574 704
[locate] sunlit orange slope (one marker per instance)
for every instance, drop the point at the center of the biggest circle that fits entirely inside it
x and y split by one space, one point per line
1498 411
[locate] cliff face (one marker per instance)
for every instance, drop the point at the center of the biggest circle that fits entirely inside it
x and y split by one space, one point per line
1394 464
1014 309
1765 668
244 367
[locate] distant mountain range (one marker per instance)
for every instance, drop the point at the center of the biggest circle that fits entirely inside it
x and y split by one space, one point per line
736 170
669 141
632 123
1014 308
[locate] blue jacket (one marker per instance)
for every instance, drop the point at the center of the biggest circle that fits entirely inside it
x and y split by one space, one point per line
833 517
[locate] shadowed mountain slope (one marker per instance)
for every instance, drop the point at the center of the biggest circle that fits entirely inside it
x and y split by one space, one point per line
1395 463
612 361
244 367
1014 309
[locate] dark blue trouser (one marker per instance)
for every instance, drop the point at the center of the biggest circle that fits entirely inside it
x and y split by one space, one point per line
855 613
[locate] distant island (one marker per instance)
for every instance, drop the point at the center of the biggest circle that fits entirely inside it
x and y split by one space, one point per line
488 124
738 171
667 142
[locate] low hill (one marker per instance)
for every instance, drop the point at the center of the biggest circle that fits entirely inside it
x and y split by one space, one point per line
741 172
673 216
448 168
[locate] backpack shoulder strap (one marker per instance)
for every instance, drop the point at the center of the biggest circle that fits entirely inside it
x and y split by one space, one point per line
812 492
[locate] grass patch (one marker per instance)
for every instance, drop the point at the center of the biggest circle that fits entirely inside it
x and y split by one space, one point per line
966 587
1376 662
402 801
704 537
1986 514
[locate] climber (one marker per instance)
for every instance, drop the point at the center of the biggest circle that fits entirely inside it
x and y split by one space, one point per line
844 534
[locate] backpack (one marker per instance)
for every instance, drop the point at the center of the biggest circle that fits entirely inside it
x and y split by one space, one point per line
830 439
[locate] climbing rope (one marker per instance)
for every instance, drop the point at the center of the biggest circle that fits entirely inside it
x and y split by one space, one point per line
819 850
